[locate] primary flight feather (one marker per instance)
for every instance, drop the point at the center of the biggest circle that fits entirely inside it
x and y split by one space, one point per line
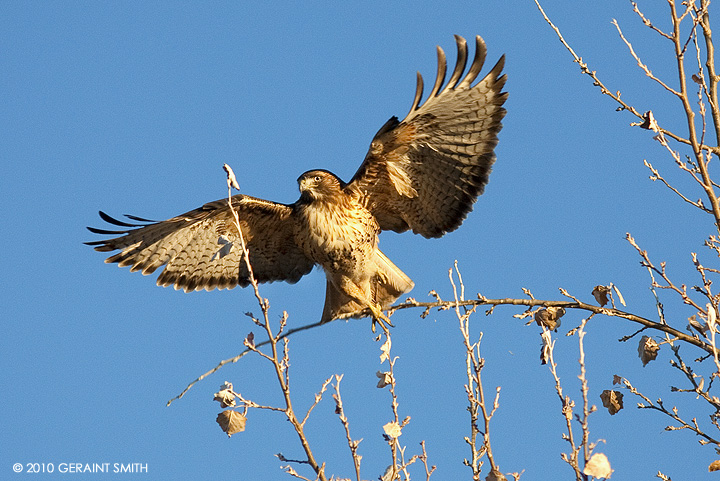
422 174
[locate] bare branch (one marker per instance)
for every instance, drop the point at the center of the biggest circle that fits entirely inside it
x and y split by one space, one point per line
640 62
353 445
648 23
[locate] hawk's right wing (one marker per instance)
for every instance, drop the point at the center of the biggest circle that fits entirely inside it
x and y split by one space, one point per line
201 248
425 172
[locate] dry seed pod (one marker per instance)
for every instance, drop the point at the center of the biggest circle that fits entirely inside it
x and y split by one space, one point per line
648 349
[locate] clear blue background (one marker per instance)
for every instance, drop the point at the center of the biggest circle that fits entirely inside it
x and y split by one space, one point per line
133 107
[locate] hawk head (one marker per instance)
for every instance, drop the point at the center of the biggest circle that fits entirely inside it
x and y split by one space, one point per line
319 185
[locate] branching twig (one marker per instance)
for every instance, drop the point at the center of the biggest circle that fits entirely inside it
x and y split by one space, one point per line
640 63
567 404
353 445
673 413
606 91
474 364
279 358
483 301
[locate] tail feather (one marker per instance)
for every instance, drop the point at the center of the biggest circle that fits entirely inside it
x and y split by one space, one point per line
337 304
390 282
384 287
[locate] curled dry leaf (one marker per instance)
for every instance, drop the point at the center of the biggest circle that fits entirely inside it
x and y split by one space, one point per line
617 292
544 354
600 293
385 379
388 474
612 400
617 379
711 316
226 396
250 340
546 348
231 422
231 180
648 349
549 317
694 324
714 466
385 351
598 466
392 429
649 122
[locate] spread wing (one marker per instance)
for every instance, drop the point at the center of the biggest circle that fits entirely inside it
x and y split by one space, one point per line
201 248
425 172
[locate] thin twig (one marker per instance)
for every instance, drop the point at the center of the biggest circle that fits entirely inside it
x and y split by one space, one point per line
353 445
566 402
640 63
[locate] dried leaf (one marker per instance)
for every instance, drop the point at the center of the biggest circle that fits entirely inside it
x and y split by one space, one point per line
231 180
648 349
546 348
714 466
600 293
711 316
549 317
617 379
694 324
612 400
385 379
226 398
231 422
649 122
385 350
388 474
250 340
392 429
598 465
617 291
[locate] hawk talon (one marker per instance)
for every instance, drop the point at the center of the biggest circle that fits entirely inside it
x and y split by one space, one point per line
385 325
378 317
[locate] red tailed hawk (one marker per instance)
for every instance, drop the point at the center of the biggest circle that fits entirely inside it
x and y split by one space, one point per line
422 174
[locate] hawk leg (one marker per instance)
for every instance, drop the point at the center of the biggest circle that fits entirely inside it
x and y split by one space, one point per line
348 287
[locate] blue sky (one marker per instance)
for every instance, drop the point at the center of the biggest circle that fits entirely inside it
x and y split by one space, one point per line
134 107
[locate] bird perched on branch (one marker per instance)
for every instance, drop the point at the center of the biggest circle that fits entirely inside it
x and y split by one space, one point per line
422 174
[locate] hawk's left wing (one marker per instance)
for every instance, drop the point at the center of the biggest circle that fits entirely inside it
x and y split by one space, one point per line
425 172
201 248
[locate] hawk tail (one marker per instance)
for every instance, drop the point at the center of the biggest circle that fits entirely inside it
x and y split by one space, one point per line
390 282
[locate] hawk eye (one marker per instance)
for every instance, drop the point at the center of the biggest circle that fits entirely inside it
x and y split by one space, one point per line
317 178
